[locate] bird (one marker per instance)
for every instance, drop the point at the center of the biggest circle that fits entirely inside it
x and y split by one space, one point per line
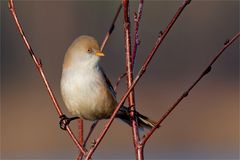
85 88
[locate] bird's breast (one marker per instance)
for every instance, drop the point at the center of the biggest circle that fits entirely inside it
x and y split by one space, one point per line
85 94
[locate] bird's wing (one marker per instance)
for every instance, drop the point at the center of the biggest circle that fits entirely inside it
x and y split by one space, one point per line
110 87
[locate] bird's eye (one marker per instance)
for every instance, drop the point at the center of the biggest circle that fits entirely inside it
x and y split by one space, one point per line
89 50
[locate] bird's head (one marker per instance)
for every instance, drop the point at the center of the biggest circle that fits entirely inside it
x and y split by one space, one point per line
83 51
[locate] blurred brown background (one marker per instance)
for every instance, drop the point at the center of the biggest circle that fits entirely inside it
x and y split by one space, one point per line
204 126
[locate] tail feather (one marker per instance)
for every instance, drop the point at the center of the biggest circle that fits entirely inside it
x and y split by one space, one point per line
143 121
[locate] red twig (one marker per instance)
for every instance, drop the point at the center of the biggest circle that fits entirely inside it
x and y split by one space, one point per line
82 149
80 136
118 81
83 143
111 27
139 75
90 132
80 128
185 94
38 64
37 61
136 42
131 98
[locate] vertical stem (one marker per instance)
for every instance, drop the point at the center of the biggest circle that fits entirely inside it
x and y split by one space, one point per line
140 152
80 127
80 136
136 40
129 68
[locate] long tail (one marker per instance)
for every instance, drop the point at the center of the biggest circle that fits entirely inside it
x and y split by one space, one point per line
143 121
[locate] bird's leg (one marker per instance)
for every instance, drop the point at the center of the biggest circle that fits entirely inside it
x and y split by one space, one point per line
64 121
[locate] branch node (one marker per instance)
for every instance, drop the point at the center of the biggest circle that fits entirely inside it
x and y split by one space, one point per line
160 34
93 143
10 5
39 62
135 17
138 41
142 70
158 126
208 69
185 94
226 42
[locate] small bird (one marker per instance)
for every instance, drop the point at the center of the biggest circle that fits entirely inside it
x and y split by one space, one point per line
85 88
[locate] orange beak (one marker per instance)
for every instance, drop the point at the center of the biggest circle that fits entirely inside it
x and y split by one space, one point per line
100 54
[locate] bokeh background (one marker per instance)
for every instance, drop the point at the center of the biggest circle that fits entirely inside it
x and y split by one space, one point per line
204 126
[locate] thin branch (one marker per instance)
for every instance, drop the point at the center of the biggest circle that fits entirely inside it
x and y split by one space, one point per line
90 132
37 61
131 97
185 94
139 75
83 143
38 64
119 80
82 149
136 42
111 27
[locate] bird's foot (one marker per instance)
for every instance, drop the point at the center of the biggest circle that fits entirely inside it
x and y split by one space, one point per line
132 109
64 121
